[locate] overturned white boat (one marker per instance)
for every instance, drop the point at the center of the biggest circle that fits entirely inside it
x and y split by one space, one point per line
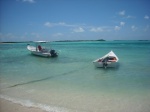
39 51
109 60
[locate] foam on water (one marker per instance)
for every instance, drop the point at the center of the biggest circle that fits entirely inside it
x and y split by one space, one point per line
29 103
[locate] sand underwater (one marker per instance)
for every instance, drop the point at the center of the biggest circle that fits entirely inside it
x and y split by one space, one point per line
71 83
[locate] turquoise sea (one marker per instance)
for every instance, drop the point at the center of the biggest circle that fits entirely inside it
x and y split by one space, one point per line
71 83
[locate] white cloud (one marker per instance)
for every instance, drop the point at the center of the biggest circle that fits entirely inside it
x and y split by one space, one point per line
117 28
98 29
130 17
122 23
122 13
146 17
133 28
57 34
49 24
101 29
30 1
62 24
79 29
65 24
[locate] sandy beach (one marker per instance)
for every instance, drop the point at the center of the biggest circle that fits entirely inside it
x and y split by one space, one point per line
8 106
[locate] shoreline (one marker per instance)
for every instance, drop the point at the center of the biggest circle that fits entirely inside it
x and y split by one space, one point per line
9 106
115 104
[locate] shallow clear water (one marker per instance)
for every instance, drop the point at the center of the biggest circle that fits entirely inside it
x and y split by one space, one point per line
71 81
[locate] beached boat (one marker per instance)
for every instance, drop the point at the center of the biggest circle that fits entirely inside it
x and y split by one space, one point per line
109 60
39 51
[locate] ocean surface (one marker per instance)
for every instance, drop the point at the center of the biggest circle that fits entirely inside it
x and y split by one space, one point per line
71 83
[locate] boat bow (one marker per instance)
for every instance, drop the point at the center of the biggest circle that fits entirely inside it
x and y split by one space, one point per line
108 60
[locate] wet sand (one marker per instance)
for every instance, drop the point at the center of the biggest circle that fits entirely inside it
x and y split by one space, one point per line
8 106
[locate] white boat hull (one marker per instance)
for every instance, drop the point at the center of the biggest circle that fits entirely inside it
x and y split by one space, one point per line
112 60
43 53
109 64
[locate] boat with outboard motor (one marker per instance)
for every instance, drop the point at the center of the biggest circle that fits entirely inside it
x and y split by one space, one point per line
109 60
39 51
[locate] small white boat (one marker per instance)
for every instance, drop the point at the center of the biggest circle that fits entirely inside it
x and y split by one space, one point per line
109 60
39 51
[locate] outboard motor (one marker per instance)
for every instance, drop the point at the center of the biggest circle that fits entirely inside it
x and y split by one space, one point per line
105 62
105 65
53 53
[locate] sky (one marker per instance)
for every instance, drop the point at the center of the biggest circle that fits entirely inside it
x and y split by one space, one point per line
53 20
